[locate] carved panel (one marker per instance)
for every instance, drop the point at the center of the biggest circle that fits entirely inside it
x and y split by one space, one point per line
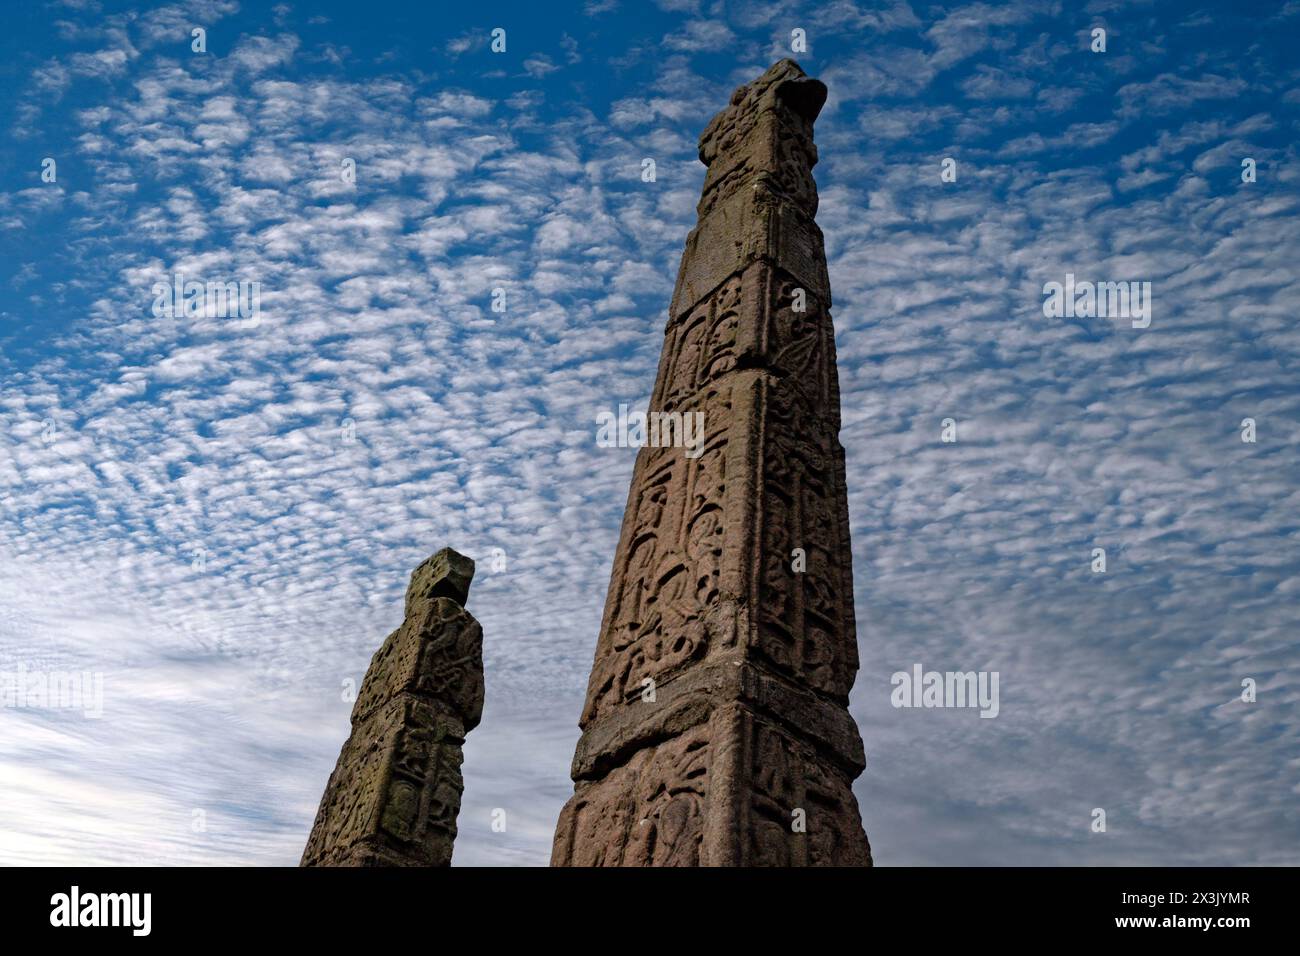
752 225
437 652
649 812
668 578
804 615
397 783
770 152
790 777
752 320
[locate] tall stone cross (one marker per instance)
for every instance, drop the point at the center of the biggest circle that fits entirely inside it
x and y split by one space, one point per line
394 795
716 729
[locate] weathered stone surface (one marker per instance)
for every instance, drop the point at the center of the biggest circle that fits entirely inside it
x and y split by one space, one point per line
445 574
716 728
393 797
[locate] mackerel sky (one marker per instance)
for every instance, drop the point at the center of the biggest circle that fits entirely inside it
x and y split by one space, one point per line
220 517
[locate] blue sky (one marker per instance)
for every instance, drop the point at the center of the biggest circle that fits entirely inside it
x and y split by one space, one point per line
220 519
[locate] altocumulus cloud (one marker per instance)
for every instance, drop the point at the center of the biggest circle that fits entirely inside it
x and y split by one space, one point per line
219 517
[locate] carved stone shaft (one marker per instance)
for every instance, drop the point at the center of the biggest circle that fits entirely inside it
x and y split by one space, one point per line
393 797
716 729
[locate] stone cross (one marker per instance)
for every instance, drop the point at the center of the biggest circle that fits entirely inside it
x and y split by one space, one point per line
393 797
716 729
